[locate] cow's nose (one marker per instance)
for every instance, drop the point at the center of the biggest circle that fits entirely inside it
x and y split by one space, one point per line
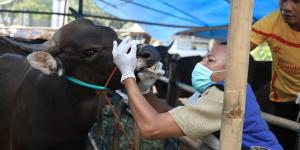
149 53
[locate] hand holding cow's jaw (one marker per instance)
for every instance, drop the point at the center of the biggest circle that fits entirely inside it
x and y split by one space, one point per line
124 60
147 79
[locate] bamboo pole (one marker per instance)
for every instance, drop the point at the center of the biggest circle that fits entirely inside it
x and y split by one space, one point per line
237 55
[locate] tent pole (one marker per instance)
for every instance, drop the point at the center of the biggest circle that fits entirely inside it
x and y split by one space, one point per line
237 55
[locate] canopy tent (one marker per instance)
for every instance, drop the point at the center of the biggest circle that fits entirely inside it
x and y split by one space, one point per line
192 13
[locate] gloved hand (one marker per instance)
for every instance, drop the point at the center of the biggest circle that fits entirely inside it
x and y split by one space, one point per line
148 80
126 62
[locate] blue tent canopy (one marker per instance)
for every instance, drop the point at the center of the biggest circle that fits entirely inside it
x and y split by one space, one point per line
196 13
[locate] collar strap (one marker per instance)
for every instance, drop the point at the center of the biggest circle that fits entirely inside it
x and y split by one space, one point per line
88 85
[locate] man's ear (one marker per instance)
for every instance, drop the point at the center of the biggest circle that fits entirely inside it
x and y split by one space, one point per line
43 61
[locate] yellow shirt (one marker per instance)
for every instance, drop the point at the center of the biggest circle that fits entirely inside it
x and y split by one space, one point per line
284 43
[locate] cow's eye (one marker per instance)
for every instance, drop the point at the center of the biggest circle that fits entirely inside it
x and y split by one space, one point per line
89 52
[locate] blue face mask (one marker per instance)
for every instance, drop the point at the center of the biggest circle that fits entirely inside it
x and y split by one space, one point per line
201 78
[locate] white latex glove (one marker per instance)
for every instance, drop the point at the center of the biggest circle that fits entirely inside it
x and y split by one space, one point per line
147 79
126 62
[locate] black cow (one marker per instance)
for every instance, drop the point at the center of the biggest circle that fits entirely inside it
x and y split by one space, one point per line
41 111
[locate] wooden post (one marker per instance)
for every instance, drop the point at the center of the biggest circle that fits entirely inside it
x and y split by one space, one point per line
237 56
118 127
99 126
137 137
172 95
80 7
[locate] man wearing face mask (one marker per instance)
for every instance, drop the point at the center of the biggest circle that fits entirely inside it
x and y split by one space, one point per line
156 120
281 30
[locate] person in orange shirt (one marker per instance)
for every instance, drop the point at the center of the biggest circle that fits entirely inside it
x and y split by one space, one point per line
281 30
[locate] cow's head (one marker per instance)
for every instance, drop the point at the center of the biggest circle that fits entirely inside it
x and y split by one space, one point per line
83 50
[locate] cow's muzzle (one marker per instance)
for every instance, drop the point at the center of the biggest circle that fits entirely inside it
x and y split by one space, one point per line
147 56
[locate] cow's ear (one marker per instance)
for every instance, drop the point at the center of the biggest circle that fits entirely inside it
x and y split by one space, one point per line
43 61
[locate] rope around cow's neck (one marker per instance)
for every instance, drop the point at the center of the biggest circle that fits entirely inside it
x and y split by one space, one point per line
103 90
85 84
129 141
98 88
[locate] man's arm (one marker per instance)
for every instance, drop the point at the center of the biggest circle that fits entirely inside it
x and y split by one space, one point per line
152 124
